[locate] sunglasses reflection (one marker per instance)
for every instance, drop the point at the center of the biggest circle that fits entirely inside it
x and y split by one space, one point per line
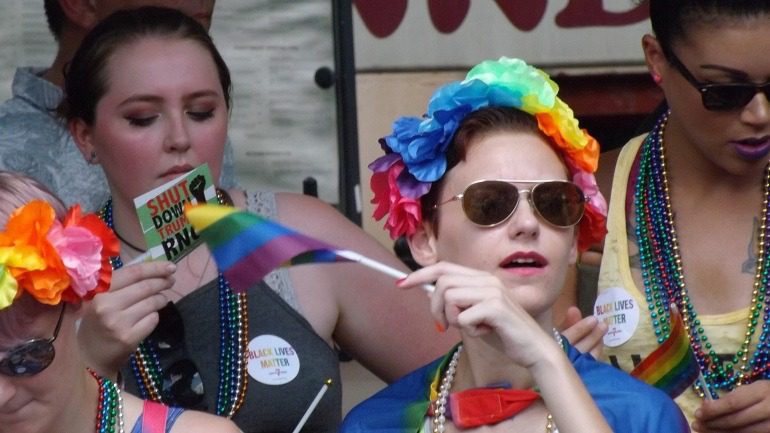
488 203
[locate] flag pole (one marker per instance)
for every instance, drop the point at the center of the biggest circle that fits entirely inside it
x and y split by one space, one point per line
378 266
312 406
140 258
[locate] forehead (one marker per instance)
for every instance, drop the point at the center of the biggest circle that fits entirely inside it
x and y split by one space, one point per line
153 63
25 320
508 155
730 42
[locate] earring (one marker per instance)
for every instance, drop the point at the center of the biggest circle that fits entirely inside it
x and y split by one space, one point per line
656 78
92 158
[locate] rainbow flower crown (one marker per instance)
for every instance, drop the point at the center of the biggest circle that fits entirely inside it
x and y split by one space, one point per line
415 152
51 260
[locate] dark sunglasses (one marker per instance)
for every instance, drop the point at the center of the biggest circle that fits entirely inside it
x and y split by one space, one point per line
488 203
32 357
721 96
181 380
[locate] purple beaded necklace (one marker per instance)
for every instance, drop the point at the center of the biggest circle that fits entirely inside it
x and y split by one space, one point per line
664 282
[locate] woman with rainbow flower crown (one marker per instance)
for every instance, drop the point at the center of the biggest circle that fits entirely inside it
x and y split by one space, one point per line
50 262
494 189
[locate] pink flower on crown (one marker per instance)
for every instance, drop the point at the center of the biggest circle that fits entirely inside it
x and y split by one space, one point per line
404 213
80 252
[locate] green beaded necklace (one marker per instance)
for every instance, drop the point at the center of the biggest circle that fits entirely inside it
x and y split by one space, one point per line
663 276
109 411
233 351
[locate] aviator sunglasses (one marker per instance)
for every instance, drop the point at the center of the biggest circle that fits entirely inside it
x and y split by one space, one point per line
721 96
488 203
32 357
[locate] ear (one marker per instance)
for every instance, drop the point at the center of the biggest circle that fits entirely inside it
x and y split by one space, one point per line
654 57
423 245
81 133
80 12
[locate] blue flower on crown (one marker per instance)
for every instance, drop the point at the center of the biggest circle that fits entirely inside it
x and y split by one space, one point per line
422 142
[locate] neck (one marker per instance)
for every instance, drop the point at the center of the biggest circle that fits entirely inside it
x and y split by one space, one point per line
80 413
481 365
126 223
69 42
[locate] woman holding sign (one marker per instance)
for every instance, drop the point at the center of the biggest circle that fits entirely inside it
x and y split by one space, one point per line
688 215
148 96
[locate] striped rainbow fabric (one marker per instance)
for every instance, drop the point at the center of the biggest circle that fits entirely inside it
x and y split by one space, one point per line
671 367
247 246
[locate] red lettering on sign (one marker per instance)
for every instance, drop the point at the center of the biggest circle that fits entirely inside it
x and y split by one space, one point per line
447 15
587 13
525 15
383 17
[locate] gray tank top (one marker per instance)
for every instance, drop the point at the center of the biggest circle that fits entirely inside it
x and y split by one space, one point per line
288 361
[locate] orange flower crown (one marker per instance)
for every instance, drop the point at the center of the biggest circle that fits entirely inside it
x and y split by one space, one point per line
51 260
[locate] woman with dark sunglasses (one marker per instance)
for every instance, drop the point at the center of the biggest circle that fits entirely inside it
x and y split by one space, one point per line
494 190
689 210
49 265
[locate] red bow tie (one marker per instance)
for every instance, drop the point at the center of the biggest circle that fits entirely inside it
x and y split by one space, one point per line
484 406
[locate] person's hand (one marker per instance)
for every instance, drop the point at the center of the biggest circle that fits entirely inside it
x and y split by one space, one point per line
478 304
744 410
584 333
114 322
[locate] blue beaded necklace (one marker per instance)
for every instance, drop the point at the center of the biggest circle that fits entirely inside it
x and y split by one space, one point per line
233 344
663 276
109 409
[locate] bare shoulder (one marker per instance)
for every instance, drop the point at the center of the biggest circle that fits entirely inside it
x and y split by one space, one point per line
317 218
606 171
195 421
297 209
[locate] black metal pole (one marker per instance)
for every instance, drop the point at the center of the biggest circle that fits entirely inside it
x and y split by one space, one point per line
347 127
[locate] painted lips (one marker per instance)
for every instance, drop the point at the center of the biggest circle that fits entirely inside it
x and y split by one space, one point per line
752 149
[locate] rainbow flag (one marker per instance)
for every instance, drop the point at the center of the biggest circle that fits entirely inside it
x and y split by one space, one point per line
247 246
671 367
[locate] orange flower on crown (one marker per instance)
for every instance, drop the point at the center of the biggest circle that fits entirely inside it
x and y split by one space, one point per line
54 261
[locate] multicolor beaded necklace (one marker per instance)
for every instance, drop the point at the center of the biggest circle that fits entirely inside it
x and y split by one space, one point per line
661 265
233 344
109 412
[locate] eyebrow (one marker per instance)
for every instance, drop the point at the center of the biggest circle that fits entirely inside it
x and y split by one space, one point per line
157 99
737 73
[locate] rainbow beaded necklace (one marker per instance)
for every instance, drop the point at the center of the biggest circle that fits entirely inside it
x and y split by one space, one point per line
233 344
109 411
663 277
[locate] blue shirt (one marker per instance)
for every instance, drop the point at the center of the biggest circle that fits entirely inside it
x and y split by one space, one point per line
628 405
36 142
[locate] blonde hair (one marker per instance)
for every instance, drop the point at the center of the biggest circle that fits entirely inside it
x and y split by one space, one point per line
17 189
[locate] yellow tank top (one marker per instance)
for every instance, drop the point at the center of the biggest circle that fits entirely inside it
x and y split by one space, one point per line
619 294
